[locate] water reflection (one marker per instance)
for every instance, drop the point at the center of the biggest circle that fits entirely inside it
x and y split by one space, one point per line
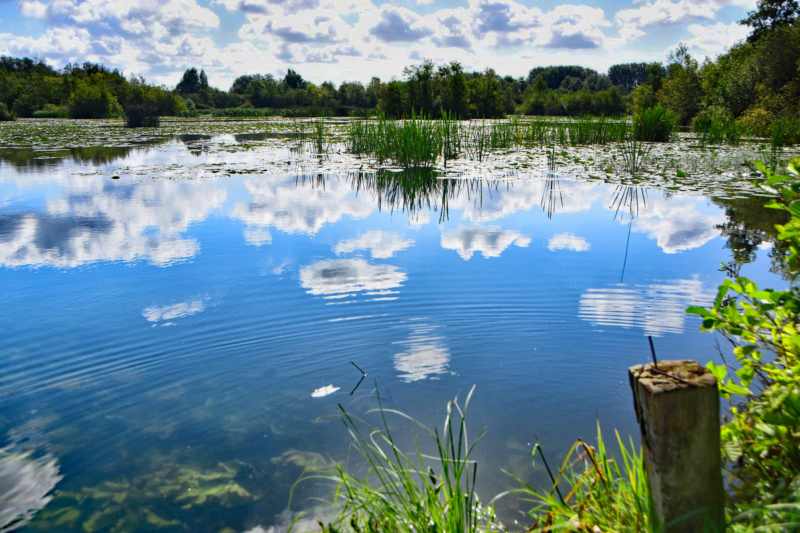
141 222
413 191
490 242
568 241
552 197
656 308
27 480
167 313
28 160
677 224
423 354
380 244
297 205
337 278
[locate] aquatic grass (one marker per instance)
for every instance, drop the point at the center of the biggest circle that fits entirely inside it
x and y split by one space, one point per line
320 134
604 495
714 129
409 493
635 153
410 143
419 142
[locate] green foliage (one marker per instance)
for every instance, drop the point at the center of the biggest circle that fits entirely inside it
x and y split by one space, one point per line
771 14
682 91
602 496
608 102
412 143
5 114
762 438
409 493
52 111
92 101
628 76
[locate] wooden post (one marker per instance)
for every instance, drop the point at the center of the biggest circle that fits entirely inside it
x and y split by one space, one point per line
677 406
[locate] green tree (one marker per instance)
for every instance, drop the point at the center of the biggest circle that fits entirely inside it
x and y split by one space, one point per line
392 101
628 76
293 80
190 82
92 101
486 96
419 87
770 14
682 93
453 95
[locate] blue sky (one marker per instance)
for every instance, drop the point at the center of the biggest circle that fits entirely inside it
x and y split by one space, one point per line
342 40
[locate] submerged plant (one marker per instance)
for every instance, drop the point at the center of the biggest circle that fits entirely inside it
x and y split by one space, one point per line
409 493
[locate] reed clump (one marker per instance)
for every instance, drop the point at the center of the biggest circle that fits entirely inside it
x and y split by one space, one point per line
654 124
410 143
409 492
419 142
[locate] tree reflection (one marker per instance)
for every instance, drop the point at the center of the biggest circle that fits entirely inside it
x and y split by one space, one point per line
749 226
27 159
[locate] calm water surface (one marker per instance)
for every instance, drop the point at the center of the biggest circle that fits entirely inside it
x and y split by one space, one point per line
163 333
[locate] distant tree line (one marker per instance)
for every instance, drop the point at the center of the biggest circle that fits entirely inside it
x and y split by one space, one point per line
31 88
756 81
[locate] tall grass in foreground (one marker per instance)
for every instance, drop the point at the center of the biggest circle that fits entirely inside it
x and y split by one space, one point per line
410 493
604 495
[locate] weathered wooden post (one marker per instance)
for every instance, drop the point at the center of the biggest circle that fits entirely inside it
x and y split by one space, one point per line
677 406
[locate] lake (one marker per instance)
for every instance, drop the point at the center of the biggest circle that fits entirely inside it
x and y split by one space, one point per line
183 314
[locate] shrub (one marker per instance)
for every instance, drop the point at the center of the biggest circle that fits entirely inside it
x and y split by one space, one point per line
756 122
5 114
52 111
762 438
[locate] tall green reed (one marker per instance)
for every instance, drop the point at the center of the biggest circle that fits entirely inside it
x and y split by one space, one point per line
604 495
417 493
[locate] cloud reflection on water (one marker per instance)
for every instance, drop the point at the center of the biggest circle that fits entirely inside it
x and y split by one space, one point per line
349 276
381 244
656 308
117 223
298 206
424 354
490 242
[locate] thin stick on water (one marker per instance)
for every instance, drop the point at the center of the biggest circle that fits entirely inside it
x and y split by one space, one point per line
358 367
